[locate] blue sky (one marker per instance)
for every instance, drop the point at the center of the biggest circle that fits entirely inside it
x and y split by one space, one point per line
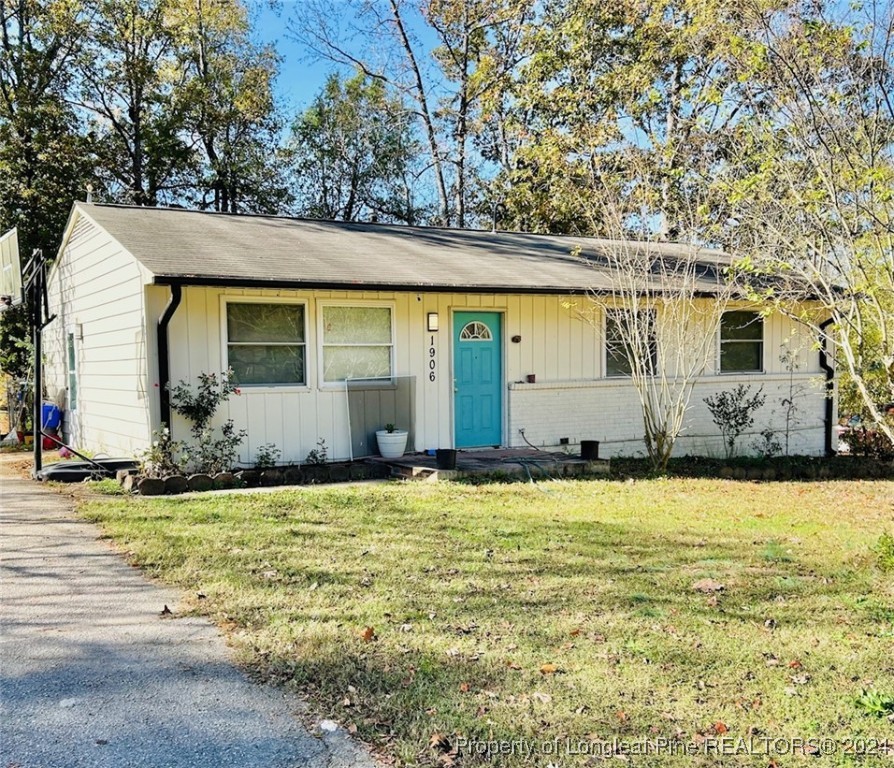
299 79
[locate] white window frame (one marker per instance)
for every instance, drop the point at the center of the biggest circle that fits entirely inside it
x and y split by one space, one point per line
321 339
605 357
224 347
763 343
72 374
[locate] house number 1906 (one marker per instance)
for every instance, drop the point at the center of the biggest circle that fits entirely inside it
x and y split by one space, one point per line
432 360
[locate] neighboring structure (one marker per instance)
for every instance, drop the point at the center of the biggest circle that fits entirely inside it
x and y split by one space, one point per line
489 324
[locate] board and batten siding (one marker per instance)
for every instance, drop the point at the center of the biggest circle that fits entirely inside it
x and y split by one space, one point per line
558 344
96 290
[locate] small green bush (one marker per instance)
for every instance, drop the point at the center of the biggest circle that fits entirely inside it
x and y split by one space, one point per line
872 443
267 456
875 703
884 552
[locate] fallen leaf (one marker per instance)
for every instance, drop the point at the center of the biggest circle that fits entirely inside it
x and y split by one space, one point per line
464 687
708 586
368 634
548 669
795 664
719 728
543 698
439 742
513 665
575 632
165 611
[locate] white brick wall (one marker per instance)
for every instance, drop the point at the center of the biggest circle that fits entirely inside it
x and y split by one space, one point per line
608 410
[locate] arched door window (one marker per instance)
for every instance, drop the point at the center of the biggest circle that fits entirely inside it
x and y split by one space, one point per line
475 331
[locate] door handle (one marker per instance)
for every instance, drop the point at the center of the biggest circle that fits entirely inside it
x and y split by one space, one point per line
455 388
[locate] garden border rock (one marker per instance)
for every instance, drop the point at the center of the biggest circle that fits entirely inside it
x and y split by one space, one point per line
308 474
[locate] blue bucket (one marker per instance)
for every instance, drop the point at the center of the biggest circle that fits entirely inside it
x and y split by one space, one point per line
50 416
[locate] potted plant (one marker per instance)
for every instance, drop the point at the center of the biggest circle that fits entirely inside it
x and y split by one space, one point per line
392 441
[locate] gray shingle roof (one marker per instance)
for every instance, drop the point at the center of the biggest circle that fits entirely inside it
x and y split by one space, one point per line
193 247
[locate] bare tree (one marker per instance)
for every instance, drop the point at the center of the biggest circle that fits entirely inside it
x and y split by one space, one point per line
321 26
815 185
659 306
476 42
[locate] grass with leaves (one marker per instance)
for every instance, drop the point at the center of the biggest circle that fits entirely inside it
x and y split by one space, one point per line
419 615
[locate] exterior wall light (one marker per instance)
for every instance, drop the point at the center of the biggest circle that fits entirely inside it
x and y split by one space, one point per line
432 321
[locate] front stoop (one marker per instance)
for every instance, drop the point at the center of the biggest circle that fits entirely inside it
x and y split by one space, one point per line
514 462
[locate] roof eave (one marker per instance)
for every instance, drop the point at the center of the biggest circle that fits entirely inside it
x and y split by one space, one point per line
342 285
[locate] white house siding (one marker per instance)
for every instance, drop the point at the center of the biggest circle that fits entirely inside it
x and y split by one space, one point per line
570 398
96 290
609 411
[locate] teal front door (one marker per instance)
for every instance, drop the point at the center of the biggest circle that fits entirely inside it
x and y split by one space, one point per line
478 379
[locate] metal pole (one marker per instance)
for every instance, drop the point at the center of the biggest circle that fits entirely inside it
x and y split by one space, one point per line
37 417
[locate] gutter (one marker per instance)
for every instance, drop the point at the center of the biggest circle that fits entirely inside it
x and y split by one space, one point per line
344 285
164 362
830 388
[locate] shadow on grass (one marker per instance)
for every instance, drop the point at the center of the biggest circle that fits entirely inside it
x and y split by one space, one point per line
468 600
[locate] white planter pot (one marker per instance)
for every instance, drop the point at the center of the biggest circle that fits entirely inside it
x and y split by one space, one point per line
392 444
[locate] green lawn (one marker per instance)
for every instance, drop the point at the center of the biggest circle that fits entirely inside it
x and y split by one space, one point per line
563 610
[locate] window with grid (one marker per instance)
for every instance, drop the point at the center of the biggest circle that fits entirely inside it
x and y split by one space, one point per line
266 343
617 357
356 343
741 342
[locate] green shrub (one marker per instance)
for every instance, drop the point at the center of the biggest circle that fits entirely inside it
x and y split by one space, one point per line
875 703
733 413
267 456
872 443
884 552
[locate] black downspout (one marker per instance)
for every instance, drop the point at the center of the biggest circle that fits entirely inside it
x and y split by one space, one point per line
830 387
164 363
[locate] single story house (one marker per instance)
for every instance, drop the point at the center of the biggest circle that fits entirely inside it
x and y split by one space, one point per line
486 326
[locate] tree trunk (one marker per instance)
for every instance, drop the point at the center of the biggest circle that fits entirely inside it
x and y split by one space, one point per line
425 114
